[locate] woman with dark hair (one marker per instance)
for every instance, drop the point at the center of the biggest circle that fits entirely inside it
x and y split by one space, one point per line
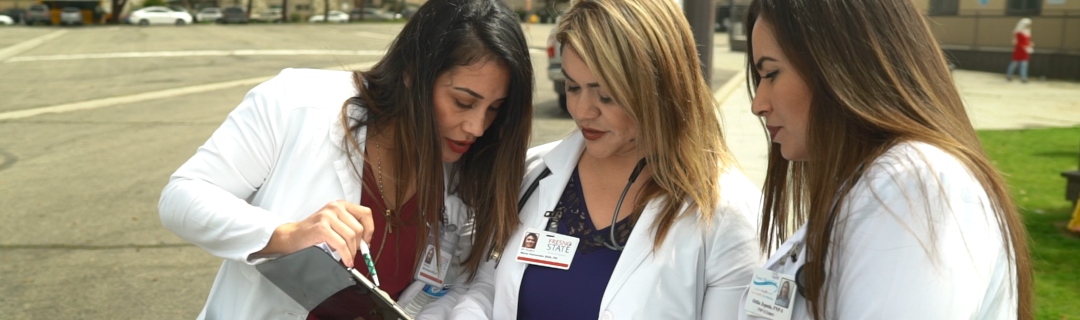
900 214
430 140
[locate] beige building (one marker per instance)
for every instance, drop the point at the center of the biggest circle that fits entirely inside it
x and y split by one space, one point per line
977 34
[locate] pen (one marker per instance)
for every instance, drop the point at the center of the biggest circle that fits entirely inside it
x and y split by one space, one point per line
366 252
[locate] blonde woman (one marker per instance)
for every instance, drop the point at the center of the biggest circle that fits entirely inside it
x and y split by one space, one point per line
900 214
644 214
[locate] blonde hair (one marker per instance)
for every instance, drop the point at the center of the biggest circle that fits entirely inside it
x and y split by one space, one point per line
1023 25
884 82
644 53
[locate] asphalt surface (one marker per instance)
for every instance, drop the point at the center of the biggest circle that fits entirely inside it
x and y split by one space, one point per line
93 121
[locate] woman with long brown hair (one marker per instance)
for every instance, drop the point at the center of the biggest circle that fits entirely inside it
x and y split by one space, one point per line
431 140
899 213
645 213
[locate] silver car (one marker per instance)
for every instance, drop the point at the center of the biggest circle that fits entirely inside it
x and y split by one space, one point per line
210 14
71 16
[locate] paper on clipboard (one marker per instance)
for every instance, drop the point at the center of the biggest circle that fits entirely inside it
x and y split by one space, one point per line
311 276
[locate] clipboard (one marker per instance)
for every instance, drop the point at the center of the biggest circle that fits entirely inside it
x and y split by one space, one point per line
311 276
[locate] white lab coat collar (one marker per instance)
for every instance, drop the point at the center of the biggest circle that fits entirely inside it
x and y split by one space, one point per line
562 160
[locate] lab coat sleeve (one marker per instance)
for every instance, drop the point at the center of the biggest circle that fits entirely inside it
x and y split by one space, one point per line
444 306
732 249
205 201
478 301
901 253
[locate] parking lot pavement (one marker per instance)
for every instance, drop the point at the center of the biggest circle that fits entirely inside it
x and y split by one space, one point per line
16 34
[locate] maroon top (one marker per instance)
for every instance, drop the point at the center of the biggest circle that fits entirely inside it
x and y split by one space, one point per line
395 264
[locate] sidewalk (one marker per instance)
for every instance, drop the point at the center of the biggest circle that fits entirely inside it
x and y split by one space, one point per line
992 104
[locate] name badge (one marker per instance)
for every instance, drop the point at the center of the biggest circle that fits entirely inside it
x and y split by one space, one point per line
433 267
771 295
435 261
547 249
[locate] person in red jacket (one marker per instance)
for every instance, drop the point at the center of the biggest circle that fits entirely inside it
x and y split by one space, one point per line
1022 48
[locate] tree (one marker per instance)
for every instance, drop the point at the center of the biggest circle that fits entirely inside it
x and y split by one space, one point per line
284 11
153 3
326 11
117 8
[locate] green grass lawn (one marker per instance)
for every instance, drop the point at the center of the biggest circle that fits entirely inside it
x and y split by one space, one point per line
1032 161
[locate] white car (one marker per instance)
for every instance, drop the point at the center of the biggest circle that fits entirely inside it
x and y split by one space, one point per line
6 20
159 15
335 16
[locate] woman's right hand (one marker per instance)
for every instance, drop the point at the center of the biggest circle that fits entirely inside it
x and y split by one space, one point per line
339 224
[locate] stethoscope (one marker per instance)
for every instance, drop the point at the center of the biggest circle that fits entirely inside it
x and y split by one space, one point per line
615 216
614 245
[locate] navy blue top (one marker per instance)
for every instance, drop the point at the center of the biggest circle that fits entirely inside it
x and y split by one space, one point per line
549 293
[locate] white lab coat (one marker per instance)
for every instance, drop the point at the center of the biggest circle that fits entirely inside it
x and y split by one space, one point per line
697 273
883 270
277 158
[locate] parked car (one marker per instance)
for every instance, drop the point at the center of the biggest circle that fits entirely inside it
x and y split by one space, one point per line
37 13
554 70
159 15
16 14
209 14
372 14
409 11
271 15
723 18
6 20
335 16
234 15
71 16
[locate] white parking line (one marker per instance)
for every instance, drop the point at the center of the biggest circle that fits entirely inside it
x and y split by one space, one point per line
197 53
29 44
113 101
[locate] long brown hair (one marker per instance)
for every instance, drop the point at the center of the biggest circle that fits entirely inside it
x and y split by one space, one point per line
444 34
878 78
644 53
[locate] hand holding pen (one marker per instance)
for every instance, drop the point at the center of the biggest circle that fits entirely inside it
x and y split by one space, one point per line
339 224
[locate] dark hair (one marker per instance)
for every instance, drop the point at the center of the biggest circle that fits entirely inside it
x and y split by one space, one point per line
536 238
877 78
442 35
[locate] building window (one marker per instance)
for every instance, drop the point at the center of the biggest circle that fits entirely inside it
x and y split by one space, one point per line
303 7
944 7
1023 7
